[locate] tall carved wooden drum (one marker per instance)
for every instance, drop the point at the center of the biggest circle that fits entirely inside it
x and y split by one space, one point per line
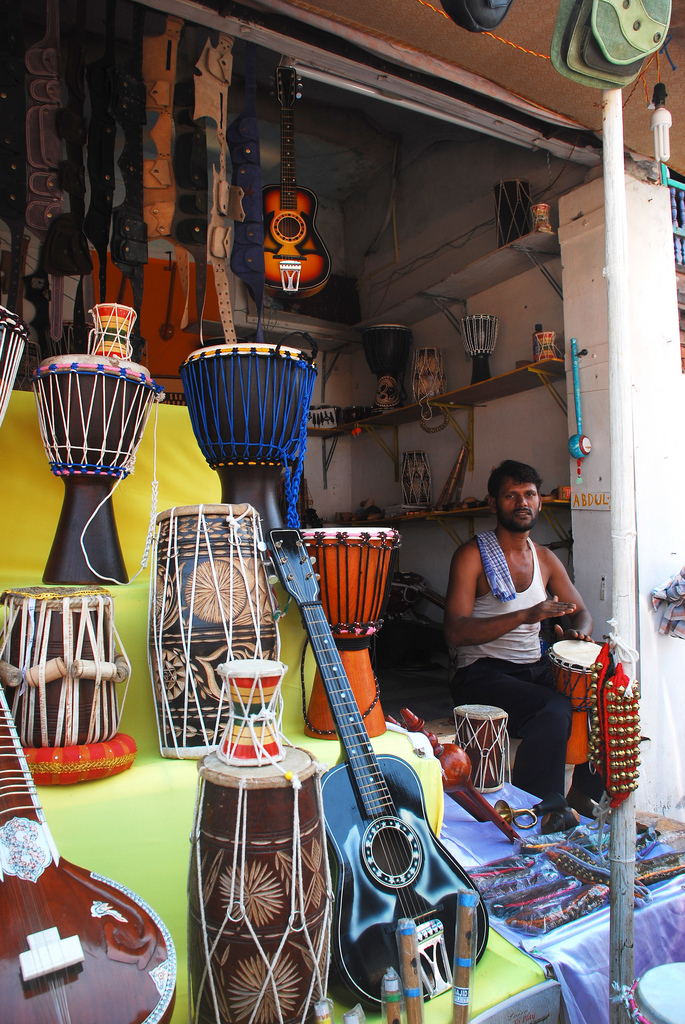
92 412
14 335
386 347
248 407
355 568
259 893
210 603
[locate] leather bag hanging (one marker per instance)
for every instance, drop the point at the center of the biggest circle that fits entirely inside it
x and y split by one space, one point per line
477 15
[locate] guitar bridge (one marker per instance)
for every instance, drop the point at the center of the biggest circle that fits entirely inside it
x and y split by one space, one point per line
436 970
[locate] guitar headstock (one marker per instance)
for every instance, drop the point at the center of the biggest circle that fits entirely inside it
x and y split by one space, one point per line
293 565
287 85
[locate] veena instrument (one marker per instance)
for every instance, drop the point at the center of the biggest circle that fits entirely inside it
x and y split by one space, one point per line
290 234
74 947
386 862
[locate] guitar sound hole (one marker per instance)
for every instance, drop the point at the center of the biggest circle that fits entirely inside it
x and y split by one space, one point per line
289 228
392 852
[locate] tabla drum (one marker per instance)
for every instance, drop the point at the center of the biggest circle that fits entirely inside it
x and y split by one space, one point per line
248 407
572 666
61 661
512 210
481 731
210 603
479 335
355 566
92 412
259 893
14 335
658 997
417 483
254 734
386 347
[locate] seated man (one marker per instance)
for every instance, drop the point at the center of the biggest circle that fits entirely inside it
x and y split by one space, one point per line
497 597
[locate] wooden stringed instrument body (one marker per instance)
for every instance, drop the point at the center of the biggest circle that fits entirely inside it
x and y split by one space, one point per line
128 971
290 211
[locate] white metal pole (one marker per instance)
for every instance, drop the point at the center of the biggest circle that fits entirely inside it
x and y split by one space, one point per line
623 530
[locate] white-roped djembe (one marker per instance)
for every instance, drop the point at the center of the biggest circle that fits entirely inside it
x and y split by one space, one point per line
210 604
416 479
92 413
259 893
386 347
479 335
14 335
61 662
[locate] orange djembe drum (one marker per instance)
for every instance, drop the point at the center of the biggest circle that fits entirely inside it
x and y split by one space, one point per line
355 568
572 666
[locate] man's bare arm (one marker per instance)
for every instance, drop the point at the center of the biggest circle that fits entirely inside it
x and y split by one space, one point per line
559 583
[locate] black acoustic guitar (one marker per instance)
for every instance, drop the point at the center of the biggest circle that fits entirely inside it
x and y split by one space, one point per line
290 212
387 863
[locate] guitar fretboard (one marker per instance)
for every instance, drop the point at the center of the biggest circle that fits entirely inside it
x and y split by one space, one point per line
18 796
288 179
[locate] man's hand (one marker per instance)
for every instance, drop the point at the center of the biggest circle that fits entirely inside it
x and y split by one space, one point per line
553 609
570 634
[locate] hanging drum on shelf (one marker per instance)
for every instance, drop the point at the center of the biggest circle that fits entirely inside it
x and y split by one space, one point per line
416 479
210 603
386 347
14 335
92 413
479 335
259 893
512 210
427 378
248 407
355 566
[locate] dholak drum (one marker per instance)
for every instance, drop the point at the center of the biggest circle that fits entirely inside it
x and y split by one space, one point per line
482 733
248 408
658 997
572 662
259 893
386 347
61 661
14 335
209 603
512 209
92 412
355 568
416 479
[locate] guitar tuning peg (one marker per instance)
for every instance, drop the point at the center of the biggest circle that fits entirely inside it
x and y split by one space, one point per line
298 95
273 578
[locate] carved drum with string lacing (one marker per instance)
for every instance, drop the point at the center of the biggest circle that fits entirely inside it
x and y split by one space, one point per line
259 893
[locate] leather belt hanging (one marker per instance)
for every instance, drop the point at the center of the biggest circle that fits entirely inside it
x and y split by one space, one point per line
129 232
159 74
44 146
13 145
211 100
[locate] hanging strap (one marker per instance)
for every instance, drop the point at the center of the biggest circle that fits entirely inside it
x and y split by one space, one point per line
13 145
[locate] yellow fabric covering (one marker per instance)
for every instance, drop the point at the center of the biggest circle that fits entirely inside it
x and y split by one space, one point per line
134 827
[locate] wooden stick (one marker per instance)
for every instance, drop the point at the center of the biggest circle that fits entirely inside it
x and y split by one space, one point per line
408 946
464 956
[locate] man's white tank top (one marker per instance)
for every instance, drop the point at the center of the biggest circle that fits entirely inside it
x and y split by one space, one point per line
522 644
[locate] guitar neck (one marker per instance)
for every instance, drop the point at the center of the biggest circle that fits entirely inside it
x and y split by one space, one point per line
288 178
18 796
370 784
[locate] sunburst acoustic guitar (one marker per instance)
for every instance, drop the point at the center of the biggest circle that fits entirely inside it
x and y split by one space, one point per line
290 211
386 861
75 948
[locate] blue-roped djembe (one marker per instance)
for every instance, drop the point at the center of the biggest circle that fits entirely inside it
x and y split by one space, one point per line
386 347
248 407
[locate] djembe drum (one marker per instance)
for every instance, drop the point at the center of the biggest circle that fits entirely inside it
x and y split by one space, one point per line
61 661
14 335
512 210
210 603
355 568
248 407
481 731
479 335
386 347
416 479
572 665
92 412
259 893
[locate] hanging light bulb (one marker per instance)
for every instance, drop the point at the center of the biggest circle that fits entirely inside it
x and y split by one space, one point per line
661 122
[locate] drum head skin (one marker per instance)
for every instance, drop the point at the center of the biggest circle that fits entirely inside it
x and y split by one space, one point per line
660 994
577 652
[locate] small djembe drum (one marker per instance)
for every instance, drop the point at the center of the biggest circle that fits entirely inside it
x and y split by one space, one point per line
479 335
210 603
61 662
248 407
14 335
416 479
427 378
355 568
111 333
512 210
386 347
254 734
92 413
572 666
259 893
481 731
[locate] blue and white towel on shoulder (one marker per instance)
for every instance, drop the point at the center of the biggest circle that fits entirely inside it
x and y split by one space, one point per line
495 566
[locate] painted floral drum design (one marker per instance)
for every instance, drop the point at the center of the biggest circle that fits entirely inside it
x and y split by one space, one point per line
259 906
209 603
